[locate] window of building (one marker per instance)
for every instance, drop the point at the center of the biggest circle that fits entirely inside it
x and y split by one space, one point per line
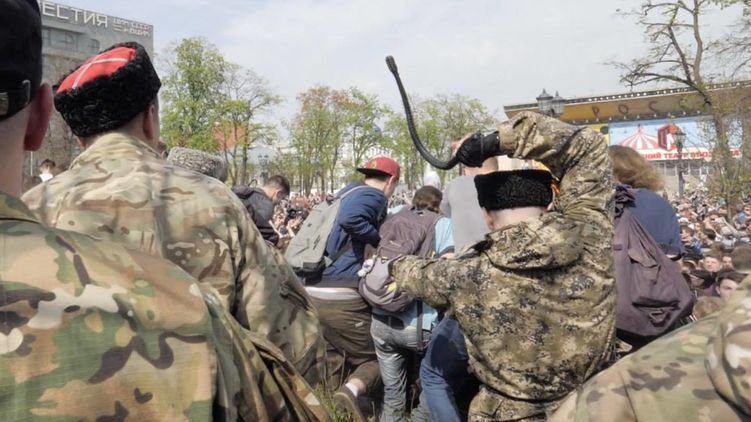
696 168
46 36
64 40
670 169
94 46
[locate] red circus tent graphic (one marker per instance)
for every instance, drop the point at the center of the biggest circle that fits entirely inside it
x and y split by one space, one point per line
640 141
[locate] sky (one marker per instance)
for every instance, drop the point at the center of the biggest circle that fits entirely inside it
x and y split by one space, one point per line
500 51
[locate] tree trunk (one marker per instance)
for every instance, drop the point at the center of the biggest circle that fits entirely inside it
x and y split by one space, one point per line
244 166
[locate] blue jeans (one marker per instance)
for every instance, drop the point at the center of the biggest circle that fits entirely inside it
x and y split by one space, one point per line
393 347
444 370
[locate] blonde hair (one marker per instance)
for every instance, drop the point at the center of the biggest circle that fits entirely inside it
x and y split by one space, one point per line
630 168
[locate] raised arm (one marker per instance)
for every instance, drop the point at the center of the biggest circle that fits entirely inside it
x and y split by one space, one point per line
578 157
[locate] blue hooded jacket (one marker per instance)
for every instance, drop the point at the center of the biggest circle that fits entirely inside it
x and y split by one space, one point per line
360 215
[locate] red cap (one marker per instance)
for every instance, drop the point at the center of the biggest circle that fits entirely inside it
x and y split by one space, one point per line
381 165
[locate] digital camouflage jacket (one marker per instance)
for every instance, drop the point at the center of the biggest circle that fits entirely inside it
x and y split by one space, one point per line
697 373
120 190
90 330
535 300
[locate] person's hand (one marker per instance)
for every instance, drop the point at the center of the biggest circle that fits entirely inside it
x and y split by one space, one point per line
294 224
474 149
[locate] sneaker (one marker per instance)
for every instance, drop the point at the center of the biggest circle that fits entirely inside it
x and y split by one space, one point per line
346 400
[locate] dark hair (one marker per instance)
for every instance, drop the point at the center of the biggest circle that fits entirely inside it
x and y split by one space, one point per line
428 198
741 257
47 163
280 182
377 175
688 229
730 275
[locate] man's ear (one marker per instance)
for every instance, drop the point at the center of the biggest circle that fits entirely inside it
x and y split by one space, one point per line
151 124
489 220
39 118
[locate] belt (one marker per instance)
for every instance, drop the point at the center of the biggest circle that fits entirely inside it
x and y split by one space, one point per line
391 321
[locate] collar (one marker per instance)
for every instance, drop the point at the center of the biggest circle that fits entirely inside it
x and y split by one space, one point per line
11 208
115 145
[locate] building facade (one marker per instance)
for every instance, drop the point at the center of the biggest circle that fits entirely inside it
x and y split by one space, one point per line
69 36
647 121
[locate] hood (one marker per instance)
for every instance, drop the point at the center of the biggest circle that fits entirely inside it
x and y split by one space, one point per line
545 243
244 192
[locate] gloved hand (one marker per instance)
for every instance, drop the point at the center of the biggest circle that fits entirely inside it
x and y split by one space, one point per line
475 149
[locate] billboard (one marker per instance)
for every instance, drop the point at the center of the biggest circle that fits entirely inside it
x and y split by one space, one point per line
602 128
655 139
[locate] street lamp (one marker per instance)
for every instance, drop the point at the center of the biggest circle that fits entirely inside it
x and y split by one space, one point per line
680 138
550 105
263 160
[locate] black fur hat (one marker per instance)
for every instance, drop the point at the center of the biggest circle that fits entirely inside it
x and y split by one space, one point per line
514 189
108 90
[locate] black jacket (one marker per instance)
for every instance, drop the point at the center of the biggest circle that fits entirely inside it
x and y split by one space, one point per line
261 210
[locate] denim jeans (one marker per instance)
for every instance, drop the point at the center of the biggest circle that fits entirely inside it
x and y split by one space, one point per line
393 347
444 371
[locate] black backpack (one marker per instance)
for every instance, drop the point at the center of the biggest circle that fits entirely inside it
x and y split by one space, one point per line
653 295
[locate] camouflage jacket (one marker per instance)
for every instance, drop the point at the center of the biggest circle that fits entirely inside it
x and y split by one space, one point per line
535 300
90 330
697 373
119 189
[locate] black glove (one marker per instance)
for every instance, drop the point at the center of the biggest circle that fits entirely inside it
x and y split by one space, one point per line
477 148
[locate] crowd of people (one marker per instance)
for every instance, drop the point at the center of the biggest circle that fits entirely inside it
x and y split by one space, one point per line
137 285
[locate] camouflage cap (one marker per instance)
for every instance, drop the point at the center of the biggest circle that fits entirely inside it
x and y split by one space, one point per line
199 161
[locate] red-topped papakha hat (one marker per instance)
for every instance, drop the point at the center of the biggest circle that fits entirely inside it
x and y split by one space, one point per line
108 90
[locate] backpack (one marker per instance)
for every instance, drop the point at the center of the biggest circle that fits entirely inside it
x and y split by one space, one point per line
408 232
306 252
653 296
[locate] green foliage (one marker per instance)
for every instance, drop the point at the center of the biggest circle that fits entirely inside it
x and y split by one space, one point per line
440 121
211 104
363 112
192 94
317 133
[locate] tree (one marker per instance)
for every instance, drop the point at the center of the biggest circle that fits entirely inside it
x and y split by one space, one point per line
246 96
363 112
681 53
735 48
440 121
317 133
192 93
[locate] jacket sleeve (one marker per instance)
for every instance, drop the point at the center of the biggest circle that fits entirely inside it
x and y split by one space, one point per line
425 279
269 299
578 157
361 219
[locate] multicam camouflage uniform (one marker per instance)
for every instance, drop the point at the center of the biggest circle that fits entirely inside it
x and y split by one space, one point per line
120 189
92 331
535 300
698 373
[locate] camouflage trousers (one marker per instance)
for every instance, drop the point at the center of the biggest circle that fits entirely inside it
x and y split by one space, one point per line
489 405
